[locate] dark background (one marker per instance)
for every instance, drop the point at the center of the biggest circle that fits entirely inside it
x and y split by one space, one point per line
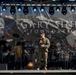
43 74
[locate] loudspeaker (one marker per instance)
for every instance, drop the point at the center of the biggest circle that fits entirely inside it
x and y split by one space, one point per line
3 67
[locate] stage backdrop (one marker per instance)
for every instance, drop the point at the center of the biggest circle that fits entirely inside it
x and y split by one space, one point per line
58 28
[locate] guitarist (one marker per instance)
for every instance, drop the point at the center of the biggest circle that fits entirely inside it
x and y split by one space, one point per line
4 49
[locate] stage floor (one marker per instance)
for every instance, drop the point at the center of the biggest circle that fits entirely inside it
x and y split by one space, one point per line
35 71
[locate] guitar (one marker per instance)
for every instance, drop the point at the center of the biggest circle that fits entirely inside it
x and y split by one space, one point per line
4 54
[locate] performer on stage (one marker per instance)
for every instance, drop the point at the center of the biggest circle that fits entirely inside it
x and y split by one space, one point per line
4 46
44 44
3 41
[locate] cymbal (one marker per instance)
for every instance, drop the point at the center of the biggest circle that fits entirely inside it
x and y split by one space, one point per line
16 35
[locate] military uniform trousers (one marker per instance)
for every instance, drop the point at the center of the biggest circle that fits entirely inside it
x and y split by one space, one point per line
42 55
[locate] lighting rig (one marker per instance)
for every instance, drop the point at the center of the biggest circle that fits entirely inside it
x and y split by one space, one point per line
54 5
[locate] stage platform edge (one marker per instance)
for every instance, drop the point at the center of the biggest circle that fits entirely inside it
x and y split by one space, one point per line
35 71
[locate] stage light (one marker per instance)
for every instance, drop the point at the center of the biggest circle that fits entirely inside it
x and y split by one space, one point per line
64 10
42 9
63 2
72 9
25 10
12 10
51 10
19 8
30 0
20 1
53 0
72 0
2 1
4 8
57 9
35 8
30 65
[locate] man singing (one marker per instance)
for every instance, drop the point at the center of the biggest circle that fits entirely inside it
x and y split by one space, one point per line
44 44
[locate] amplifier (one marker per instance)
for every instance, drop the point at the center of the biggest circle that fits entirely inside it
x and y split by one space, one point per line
3 66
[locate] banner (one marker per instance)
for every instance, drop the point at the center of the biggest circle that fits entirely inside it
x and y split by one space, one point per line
58 28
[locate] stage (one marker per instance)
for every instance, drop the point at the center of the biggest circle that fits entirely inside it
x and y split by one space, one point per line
21 25
35 71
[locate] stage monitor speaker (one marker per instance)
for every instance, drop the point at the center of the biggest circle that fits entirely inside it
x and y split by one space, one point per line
3 67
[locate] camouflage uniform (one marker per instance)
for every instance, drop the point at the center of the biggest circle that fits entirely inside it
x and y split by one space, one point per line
43 51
